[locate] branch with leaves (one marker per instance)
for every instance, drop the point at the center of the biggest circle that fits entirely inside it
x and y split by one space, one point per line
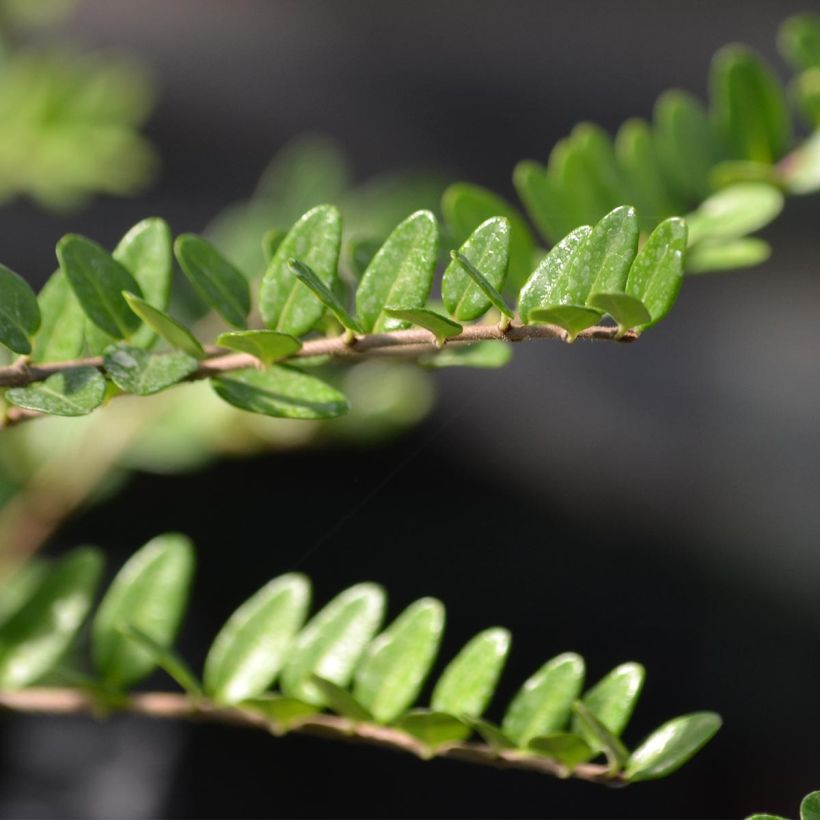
338 674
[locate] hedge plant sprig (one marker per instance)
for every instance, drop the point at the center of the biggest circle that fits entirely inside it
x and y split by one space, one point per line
338 672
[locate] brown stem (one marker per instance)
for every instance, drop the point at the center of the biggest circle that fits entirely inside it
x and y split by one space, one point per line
172 706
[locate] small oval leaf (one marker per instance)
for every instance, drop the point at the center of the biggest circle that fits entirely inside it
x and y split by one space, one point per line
434 730
568 749
267 345
141 373
735 211
607 254
612 700
340 700
74 392
172 331
810 807
398 661
19 312
251 647
62 329
440 326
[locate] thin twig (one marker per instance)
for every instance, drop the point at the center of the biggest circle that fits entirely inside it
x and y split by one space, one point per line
171 706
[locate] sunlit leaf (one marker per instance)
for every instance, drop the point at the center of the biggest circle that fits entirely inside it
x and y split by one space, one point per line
572 318
627 311
333 641
400 274
60 336
567 749
490 733
440 326
34 639
542 706
74 392
810 807
165 658
19 312
325 295
142 373
602 263
396 664
434 730
482 283
670 746
267 345
219 284
172 331
282 392
340 700
283 711
150 593
707 257
600 738
545 201
734 212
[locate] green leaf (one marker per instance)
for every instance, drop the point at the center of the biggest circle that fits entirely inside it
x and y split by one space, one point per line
251 647
491 733
400 274
271 241
810 807
165 658
434 730
593 147
542 705
487 355
603 261
396 664
329 299
572 318
285 303
612 700
802 174
282 392
670 746
143 373
706 257
34 639
74 392
19 588
734 212
267 345
601 738
19 312
283 711
568 749
219 284
360 254
333 641
466 207
60 336
749 107
467 684
340 700
627 311
146 252
482 283
545 201
172 331
799 41
98 281
548 285
440 326
150 593
656 274
488 249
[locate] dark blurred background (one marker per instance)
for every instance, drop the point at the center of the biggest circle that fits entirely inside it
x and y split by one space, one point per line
656 502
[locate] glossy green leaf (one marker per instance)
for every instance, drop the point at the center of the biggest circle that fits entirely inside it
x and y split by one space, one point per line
284 712
600 738
282 392
749 107
440 326
799 41
810 807
60 336
396 664
612 700
482 283
340 700
546 203
542 705
572 318
333 641
19 312
567 749
323 293
627 311
286 304
172 331
34 639
548 285
400 274
434 730
267 345
734 212
604 259
146 252
466 207
487 355
656 274
707 257
219 284
165 658
150 593
670 746
143 373
685 144
98 281
251 647
469 680
488 250
74 392
490 733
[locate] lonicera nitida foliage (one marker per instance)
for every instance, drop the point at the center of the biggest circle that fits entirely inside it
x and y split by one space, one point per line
341 661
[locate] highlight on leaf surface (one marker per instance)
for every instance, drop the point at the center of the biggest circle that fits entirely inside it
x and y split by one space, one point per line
71 393
142 373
